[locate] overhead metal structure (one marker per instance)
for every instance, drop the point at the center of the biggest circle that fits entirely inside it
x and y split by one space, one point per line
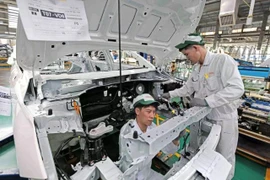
235 34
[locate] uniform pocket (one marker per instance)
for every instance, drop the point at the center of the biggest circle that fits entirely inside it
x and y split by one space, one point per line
212 83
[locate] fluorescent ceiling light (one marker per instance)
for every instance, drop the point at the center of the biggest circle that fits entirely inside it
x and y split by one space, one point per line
12 11
210 33
12 16
250 29
13 8
12 26
207 33
236 30
13 19
10 32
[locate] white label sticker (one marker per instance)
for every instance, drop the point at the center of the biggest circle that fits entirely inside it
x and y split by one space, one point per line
54 20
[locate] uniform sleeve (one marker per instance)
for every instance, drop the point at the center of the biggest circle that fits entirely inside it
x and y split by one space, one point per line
232 83
184 91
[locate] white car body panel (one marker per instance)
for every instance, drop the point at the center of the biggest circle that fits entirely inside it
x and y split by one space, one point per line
27 148
159 24
149 26
207 161
94 75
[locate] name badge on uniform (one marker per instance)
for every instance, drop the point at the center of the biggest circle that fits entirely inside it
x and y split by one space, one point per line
207 75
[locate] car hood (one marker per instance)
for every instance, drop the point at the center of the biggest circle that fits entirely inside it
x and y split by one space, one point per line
149 26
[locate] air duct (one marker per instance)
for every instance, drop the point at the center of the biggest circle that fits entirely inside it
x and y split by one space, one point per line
228 12
250 14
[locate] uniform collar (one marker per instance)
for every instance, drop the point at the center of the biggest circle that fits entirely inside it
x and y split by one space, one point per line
138 129
206 61
207 58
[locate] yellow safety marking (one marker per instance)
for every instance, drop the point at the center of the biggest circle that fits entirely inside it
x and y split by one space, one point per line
267 177
167 157
177 154
158 118
159 154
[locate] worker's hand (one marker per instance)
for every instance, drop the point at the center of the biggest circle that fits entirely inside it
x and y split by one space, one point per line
198 102
166 96
176 140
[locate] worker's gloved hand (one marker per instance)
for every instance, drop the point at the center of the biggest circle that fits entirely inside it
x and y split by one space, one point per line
166 96
198 102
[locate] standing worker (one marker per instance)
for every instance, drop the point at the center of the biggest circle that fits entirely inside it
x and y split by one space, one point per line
215 82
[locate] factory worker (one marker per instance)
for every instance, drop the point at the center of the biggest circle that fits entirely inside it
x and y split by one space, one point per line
215 82
145 109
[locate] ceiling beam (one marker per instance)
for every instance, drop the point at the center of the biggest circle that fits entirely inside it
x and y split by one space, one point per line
239 21
212 2
216 34
237 35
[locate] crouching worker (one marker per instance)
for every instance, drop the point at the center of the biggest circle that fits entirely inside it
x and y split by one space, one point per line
131 148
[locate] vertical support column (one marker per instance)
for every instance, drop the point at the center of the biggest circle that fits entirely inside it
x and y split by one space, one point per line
244 52
237 52
46 154
249 53
216 34
265 17
242 29
266 49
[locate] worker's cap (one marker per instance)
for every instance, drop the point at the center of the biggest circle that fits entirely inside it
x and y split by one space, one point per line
144 100
192 39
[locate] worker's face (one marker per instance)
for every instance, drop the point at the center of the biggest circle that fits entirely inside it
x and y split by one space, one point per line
192 54
145 115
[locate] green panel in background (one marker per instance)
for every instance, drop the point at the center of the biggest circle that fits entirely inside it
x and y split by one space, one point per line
8 157
248 170
7 151
5 121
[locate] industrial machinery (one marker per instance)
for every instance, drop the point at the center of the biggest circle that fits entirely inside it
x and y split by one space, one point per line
254 121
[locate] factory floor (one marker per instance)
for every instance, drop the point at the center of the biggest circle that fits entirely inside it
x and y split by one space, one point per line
245 168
